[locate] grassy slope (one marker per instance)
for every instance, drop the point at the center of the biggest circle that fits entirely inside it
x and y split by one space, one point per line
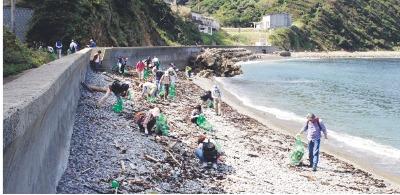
110 22
319 24
18 57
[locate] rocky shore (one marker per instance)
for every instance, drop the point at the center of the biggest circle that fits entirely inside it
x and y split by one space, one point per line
220 62
108 146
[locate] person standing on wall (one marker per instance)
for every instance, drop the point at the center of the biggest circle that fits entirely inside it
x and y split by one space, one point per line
73 46
314 126
92 43
59 48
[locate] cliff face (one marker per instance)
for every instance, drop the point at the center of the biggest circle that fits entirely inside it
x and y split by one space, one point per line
109 22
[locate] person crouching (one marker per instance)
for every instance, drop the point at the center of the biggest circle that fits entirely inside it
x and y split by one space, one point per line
147 120
207 152
195 114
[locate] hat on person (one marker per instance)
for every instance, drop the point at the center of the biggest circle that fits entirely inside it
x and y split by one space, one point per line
310 116
155 111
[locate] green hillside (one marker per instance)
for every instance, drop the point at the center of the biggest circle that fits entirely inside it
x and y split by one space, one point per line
109 22
18 57
318 24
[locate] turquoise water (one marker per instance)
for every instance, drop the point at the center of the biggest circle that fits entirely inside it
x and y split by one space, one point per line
358 99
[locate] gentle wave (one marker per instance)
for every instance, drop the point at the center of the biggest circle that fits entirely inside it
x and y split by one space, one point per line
348 140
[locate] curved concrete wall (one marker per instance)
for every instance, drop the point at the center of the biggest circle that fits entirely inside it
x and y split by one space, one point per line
38 116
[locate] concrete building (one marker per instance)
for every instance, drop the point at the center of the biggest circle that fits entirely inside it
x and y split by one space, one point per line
273 21
205 24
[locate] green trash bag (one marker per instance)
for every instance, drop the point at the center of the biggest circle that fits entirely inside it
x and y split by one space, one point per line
146 74
162 91
172 91
210 104
203 123
162 125
119 106
151 99
129 95
298 152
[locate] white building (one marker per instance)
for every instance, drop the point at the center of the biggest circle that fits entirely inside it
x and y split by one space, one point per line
205 24
273 21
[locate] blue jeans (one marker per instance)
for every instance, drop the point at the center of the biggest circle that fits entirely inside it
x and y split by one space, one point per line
199 153
313 152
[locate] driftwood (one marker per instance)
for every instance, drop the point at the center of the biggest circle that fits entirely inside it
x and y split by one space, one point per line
173 158
150 158
123 166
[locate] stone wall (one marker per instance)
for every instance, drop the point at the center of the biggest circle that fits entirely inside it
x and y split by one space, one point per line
38 116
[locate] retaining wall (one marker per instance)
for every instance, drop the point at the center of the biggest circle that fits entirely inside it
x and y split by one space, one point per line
38 117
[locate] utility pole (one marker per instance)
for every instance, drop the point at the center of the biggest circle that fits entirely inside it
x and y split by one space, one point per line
12 16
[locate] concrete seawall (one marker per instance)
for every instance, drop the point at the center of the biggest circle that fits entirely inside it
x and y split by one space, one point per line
38 116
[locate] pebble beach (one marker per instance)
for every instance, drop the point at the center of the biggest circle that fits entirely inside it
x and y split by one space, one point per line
108 146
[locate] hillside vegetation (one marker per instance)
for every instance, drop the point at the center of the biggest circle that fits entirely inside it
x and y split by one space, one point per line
109 22
318 24
18 57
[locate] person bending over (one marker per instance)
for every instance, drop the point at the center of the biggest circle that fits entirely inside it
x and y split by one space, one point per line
147 120
149 89
118 89
207 152
195 114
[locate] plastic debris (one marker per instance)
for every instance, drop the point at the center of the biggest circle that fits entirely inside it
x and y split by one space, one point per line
114 184
119 106
162 125
298 152
172 91
151 99
203 123
146 74
162 91
210 104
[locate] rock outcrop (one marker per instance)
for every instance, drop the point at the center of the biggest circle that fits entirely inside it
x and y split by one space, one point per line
220 62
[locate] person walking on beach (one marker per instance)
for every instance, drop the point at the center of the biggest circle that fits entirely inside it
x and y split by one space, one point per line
59 48
314 126
216 96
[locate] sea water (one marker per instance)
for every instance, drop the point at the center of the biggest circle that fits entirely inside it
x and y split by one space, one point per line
358 100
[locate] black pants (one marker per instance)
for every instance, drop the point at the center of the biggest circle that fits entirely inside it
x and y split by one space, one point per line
166 87
150 125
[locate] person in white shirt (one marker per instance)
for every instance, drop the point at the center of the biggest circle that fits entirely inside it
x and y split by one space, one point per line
73 46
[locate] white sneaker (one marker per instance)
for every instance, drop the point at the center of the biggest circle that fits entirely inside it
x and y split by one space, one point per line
214 166
204 165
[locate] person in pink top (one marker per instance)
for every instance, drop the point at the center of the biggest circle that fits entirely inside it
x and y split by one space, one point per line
140 69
